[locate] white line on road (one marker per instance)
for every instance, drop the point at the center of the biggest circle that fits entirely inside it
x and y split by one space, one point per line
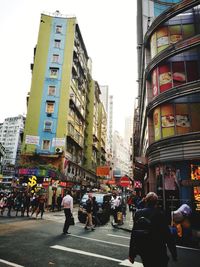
98 240
188 248
10 263
124 262
121 236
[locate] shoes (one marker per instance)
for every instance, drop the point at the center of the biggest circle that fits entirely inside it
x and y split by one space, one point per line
92 229
66 233
86 228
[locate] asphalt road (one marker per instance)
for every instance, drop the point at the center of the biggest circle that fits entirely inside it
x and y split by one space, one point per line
40 243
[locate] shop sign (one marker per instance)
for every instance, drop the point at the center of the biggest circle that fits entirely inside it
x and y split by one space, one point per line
190 182
103 171
32 183
32 140
63 184
58 142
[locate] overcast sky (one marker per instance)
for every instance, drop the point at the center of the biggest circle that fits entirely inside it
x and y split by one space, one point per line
108 29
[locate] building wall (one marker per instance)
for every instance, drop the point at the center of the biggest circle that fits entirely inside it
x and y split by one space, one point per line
41 80
169 101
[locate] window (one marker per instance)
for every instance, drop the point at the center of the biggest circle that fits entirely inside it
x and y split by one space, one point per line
47 126
51 90
57 43
55 58
50 106
46 144
53 72
58 28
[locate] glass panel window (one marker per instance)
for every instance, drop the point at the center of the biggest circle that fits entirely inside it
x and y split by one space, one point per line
182 118
55 58
53 73
57 43
167 120
58 28
50 107
48 126
46 144
51 90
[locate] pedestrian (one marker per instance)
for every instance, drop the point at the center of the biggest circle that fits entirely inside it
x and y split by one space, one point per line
3 200
27 203
115 204
89 210
95 212
59 201
34 203
53 202
10 204
41 203
19 203
152 245
67 203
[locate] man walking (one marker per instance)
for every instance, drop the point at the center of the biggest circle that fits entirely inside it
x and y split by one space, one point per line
151 235
67 203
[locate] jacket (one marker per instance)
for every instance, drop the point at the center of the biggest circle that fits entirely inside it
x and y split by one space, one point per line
154 248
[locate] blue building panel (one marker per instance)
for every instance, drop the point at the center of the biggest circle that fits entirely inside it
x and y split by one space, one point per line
49 81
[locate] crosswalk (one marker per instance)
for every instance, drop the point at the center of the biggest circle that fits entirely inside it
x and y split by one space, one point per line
124 262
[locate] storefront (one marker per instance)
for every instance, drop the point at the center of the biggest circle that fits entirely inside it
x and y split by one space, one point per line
179 183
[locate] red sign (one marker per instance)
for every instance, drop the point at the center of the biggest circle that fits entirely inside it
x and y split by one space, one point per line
124 181
137 184
103 171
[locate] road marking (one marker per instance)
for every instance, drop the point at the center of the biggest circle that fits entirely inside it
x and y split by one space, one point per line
188 248
98 240
121 236
121 262
10 263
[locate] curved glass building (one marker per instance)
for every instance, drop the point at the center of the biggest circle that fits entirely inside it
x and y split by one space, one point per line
166 121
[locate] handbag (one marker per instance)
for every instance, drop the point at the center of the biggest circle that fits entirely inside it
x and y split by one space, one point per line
71 222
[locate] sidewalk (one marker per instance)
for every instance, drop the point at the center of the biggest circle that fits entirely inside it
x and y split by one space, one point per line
127 222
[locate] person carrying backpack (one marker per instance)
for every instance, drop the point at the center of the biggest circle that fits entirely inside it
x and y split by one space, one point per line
151 235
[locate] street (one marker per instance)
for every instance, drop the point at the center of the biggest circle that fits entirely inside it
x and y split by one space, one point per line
37 243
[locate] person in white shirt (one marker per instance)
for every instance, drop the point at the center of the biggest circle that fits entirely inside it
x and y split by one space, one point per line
115 202
67 203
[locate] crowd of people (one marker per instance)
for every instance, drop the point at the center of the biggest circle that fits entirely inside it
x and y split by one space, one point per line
23 203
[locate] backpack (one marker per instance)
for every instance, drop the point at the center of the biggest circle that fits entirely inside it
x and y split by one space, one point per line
142 226
142 233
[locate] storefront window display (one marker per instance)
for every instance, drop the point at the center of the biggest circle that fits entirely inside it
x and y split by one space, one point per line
195 176
175 119
168 187
176 29
176 71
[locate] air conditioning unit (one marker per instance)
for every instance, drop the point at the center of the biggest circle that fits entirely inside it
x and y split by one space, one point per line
58 150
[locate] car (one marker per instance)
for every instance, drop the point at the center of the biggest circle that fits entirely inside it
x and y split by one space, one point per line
103 214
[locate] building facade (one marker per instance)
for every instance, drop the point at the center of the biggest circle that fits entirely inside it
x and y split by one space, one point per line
11 133
59 116
166 147
121 156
